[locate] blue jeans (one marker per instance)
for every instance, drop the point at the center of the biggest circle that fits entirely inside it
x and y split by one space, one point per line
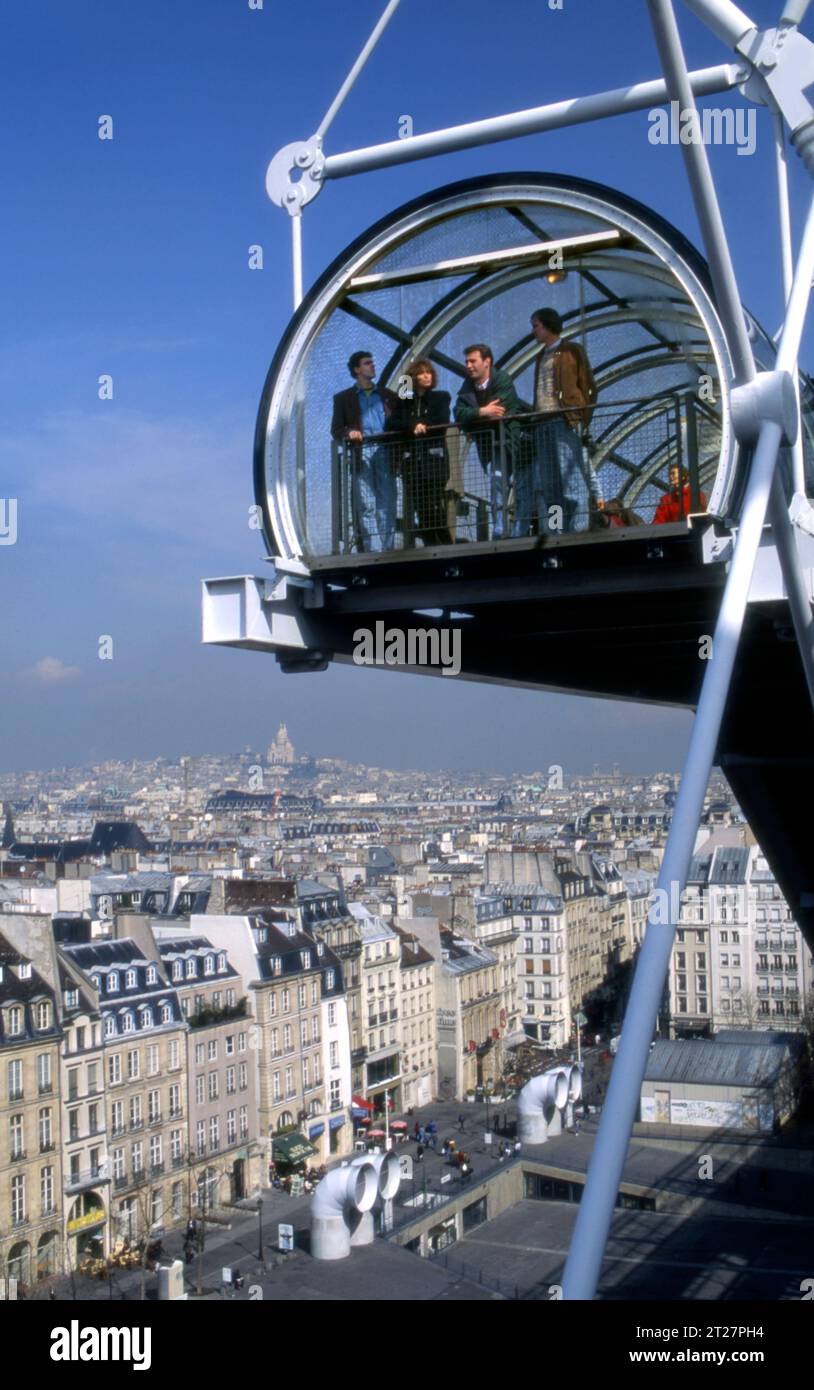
374 498
560 477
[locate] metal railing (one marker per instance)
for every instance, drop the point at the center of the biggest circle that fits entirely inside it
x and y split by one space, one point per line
524 475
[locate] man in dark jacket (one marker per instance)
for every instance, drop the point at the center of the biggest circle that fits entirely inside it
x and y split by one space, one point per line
363 412
565 485
485 398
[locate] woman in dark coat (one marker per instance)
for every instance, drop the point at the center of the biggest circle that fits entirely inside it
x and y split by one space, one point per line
424 418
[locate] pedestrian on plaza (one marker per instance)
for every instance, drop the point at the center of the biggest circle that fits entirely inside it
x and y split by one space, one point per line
500 1151
461 1122
419 1157
496 1125
416 1129
434 1141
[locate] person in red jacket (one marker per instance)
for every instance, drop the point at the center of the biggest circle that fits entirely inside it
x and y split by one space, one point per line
675 504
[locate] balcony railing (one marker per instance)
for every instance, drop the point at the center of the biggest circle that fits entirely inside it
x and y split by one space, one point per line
485 483
87 1177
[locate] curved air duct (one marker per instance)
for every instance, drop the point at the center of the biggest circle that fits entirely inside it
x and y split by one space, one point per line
388 1173
341 1214
542 1102
343 1195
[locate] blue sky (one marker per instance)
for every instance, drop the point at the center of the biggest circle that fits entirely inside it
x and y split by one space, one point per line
129 257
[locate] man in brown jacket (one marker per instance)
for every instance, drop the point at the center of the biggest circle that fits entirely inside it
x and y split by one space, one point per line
563 484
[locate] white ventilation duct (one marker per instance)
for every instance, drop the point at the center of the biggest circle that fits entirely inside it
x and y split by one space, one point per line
388 1174
542 1101
341 1198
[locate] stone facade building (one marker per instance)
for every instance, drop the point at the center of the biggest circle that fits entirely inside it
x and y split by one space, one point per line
31 1204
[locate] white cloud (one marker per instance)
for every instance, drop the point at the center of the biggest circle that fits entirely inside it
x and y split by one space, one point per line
51 670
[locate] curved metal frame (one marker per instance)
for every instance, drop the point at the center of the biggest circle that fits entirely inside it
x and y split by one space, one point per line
666 244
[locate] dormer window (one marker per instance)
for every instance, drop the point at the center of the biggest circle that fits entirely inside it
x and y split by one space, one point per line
192 969
152 975
320 948
166 1013
72 999
14 1019
209 965
113 982
178 970
127 1022
330 976
305 957
110 1027
130 980
222 961
24 970
96 981
43 1015
146 1017
277 965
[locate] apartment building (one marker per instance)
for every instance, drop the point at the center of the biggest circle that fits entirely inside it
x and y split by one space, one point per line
739 960
469 1007
381 992
31 1205
222 1154
417 1012
85 1166
541 959
288 974
145 1079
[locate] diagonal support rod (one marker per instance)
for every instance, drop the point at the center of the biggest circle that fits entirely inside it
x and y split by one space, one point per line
703 191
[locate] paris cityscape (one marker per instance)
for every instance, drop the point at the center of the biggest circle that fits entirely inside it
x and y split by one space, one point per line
224 977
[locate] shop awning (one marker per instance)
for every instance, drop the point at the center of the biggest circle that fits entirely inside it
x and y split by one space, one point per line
362 1103
336 1121
291 1148
315 1130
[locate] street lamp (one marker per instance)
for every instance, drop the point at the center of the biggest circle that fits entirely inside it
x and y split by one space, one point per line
260 1229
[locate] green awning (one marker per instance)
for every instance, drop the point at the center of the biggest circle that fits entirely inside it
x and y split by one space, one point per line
291 1148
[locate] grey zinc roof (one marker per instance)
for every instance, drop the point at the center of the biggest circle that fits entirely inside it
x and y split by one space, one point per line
729 865
706 1063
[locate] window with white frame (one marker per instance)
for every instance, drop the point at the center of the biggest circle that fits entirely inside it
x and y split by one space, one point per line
175 1099
231 1126
200 1089
137 1157
332 1015
133 1066
114 1068
18 1211
243 1076
214 1132
200 1136
154 1106
153 1065
176 1144
244 1121
118 1165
